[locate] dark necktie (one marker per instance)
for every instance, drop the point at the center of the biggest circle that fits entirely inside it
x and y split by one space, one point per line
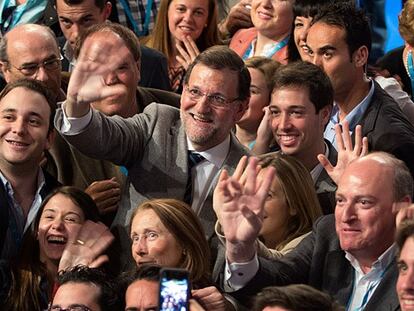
193 159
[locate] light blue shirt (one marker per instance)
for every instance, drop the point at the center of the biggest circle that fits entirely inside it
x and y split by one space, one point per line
365 284
353 118
29 12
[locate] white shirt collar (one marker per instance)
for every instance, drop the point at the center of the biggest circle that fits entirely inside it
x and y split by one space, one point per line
381 263
215 155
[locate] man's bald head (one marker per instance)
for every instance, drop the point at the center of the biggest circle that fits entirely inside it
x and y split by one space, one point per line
367 203
29 45
402 181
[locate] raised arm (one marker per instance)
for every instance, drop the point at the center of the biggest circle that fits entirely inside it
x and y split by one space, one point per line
240 203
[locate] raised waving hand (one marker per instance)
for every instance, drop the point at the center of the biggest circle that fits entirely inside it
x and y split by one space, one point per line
346 151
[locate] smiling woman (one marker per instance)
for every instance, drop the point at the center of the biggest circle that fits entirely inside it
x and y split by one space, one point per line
29 283
272 21
192 28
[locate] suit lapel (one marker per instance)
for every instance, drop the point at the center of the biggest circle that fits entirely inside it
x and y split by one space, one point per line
371 114
385 297
4 215
339 276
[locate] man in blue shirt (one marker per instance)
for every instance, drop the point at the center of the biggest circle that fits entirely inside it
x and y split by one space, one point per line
339 42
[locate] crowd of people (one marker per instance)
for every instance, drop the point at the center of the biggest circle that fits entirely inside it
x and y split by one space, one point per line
257 144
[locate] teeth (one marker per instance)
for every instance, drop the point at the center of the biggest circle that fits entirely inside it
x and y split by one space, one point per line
17 143
185 28
409 302
200 119
265 15
286 138
56 239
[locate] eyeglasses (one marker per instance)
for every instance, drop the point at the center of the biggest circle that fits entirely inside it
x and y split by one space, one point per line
70 308
31 69
214 99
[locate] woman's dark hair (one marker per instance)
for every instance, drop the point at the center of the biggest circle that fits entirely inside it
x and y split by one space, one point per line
28 271
308 9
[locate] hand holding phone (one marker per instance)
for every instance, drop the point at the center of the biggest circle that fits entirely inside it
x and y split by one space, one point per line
174 290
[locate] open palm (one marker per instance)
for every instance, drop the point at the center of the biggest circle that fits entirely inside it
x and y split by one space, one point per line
239 200
97 60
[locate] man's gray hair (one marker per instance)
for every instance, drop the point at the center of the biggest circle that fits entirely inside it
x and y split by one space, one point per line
402 181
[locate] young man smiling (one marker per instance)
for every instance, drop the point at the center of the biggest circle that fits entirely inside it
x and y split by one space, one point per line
26 131
300 107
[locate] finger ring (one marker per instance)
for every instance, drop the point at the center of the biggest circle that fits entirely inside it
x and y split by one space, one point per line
80 242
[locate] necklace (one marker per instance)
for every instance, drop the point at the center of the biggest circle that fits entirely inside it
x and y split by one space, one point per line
410 69
406 60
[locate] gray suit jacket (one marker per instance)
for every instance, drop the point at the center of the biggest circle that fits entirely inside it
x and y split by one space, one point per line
153 147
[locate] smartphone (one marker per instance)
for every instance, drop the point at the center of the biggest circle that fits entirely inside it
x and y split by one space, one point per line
174 290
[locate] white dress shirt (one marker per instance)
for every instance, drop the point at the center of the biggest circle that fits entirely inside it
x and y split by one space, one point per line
365 284
206 172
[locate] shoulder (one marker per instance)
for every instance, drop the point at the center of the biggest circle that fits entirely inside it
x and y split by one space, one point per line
51 183
325 225
244 34
391 56
148 53
385 106
292 244
161 112
237 150
149 95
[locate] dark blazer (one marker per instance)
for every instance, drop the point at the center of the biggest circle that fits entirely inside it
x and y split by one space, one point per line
320 262
154 69
50 184
387 129
324 185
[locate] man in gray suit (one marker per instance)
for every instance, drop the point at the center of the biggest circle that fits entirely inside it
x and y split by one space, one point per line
350 255
154 146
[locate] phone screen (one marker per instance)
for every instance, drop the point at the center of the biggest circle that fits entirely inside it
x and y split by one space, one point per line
174 290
